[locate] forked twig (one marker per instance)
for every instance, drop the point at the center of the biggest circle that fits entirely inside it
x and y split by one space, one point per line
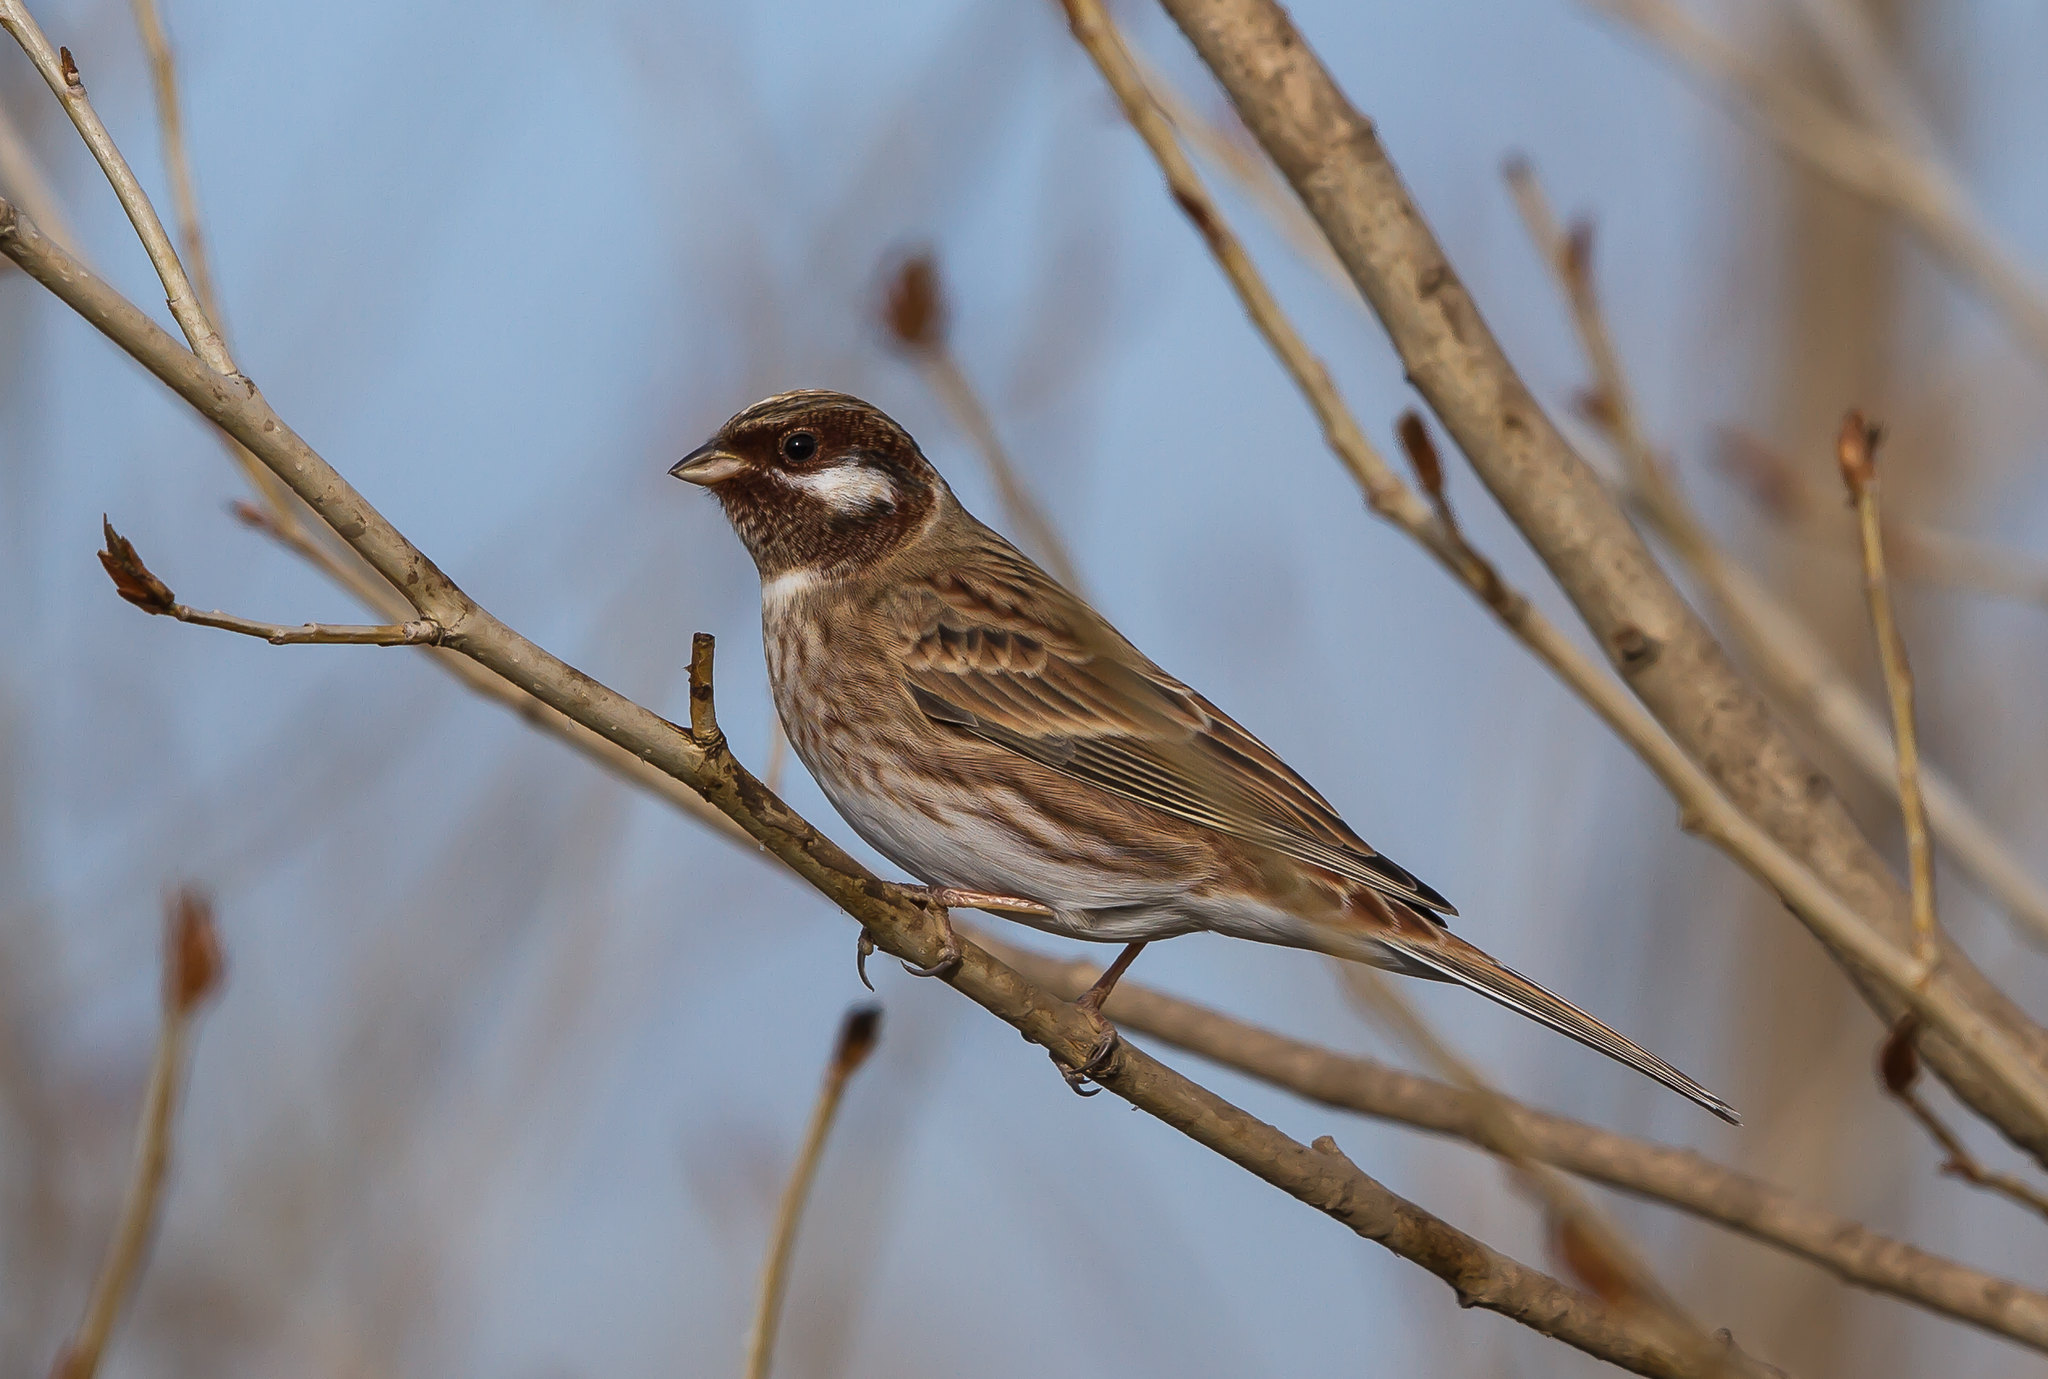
858 1034
60 72
192 968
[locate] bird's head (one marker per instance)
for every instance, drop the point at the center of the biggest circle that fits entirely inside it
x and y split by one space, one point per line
817 481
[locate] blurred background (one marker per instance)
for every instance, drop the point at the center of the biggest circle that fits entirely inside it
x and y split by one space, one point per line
512 1061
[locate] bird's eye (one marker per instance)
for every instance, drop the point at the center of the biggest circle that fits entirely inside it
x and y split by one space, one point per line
799 446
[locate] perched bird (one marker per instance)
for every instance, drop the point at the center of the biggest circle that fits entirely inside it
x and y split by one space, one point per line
993 735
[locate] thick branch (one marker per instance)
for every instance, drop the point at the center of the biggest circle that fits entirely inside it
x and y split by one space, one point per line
1703 804
898 918
1333 158
1776 643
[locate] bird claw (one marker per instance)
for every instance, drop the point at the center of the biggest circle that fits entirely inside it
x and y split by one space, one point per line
949 953
861 953
1107 1045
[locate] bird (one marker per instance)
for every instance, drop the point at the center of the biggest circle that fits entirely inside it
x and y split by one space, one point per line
988 731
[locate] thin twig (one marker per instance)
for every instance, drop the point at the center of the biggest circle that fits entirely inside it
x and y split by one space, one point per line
134 582
1333 157
899 920
858 1034
1678 1178
1778 643
1856 454
191 972
1904 179
1898 1068
170 119
1922 554
278 517
917 318
1703 808
60 72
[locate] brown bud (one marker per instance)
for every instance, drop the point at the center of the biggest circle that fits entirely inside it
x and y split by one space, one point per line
859 1032
193 964
1585 1258
1578 252
132 579
69 68
1775 486
1898 1060
1421 452
1856 451
1597 407
914 305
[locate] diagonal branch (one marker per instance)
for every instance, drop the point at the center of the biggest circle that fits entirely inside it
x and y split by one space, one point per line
1333 158
900 919
1679 1178
2007 1069
1776 642
1900 178
61 74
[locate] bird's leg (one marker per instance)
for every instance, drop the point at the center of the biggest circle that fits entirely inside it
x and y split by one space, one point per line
1109 1040
953 898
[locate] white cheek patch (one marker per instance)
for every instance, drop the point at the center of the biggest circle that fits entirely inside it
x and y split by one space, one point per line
850 488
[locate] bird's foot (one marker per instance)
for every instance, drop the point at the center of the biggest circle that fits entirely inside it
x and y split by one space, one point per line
949 952
862 951
1108 1043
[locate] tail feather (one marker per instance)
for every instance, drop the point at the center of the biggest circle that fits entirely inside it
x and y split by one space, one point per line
1449 958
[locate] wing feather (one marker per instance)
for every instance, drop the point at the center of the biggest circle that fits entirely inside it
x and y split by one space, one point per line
1003 652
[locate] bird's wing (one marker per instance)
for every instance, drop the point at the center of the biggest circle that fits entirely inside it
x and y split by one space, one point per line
1001 651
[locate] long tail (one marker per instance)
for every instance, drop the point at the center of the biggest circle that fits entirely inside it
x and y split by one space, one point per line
1432 951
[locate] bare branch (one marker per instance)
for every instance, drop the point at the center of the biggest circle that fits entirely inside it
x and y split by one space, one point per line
170 120
1903 179
1678 1178
1856 452
899 919
916 317
858 1034
1332 157
1898 1068
1776 641
134 582
1893 974
192 972
60 72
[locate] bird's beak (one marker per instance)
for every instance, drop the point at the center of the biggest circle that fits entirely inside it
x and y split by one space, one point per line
708 465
